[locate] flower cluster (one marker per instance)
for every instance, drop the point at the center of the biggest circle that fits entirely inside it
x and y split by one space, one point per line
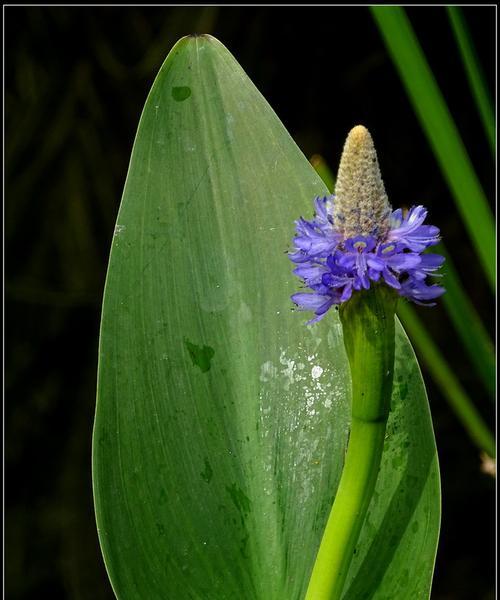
333 265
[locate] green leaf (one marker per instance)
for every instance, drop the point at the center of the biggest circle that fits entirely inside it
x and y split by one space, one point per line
221 419
441 131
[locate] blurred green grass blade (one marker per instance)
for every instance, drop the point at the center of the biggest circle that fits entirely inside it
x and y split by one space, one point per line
441 131
467 323
221 419
324 171
446 380
474 72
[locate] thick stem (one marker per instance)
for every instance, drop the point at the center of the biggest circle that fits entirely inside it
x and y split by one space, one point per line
368 328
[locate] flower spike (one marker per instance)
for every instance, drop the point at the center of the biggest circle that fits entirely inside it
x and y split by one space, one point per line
361 203
356 239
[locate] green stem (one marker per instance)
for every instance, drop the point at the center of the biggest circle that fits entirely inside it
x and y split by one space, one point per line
368 328
360 472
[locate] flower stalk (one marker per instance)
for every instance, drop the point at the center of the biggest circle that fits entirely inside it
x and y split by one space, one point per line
361 255
368 328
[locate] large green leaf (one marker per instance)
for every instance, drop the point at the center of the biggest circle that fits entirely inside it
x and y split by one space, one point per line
221 418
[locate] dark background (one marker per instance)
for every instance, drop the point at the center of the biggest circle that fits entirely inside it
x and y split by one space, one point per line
76 80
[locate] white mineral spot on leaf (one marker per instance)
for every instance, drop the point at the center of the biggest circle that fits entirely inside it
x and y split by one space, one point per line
119 229
268 371
288 371
316 372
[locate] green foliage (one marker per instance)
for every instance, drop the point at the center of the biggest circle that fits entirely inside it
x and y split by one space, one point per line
474 73
437 123
467 322
222 419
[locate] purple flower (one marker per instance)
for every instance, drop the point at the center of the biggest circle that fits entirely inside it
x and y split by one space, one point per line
316 237
418 291
428 264
319 303
408 232
356 240
335 267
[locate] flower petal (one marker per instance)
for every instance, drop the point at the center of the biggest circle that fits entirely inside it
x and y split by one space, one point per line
307 301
